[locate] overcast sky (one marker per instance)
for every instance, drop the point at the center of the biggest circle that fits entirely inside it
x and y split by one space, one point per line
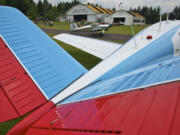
166 5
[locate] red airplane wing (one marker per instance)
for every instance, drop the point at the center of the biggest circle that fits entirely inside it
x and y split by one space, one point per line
151 111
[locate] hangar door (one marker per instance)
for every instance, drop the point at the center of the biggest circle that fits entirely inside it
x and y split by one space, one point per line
119 20
79 18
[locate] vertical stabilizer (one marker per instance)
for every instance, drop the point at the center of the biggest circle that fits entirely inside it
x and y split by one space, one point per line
18 93
73 26
33 68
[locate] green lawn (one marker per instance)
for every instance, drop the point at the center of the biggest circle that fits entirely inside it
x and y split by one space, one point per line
57 25
87 60
123 30
6 126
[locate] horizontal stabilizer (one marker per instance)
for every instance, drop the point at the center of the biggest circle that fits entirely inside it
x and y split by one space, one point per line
98 48
151 111
33 68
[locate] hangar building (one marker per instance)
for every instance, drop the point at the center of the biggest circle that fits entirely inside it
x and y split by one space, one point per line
125 18
87 13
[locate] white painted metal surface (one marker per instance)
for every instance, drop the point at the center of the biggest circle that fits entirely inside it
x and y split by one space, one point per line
80 10
116 58
95 27
176 43
98 48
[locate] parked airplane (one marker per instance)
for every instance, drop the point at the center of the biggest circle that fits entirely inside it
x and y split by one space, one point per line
134 90
95 27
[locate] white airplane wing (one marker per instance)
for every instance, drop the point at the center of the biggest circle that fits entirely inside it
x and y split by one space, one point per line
98 48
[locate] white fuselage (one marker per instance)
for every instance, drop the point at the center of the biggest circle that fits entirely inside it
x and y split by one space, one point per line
92 28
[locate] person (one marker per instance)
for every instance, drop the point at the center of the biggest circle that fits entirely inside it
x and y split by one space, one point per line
35 21
45 22
51 23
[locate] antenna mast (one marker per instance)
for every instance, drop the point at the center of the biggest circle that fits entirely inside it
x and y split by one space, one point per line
168 15
132 26
160 20
167 21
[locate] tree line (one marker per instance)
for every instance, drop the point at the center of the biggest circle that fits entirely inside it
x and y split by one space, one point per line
42 10
45 10
152 15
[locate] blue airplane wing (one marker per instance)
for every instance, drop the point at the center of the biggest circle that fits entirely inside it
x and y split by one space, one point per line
153 64
161 72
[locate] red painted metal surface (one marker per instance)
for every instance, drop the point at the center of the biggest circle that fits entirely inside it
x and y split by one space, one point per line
54 132
22 126
151 111
18 93
6 107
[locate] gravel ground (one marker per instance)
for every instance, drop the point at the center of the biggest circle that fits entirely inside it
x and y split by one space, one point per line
107 36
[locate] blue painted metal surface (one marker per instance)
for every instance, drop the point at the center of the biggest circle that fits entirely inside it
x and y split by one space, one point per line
49 65
159 48
159 72
153 64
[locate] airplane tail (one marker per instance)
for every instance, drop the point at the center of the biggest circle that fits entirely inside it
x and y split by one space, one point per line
33 68
18 93
73 26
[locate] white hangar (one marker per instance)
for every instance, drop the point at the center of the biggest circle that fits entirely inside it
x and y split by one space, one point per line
86 12
125 18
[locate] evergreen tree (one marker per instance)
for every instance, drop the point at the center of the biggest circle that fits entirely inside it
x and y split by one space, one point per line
176 13
12 3
23 5
151 14
46 11
114 9
63 7
40 8
32 11
2 2
53 13
46 7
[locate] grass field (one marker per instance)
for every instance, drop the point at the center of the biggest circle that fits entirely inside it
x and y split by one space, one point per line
6 126
57 25
87 60
123 30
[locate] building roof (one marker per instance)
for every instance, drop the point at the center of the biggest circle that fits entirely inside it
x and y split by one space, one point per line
132 13
100 10
135 14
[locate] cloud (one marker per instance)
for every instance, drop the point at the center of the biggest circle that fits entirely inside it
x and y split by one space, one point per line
166 5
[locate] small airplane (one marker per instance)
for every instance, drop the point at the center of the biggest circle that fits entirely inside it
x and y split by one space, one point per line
134 90
91 28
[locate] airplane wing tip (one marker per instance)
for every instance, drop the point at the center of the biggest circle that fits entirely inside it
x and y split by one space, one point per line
96 47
